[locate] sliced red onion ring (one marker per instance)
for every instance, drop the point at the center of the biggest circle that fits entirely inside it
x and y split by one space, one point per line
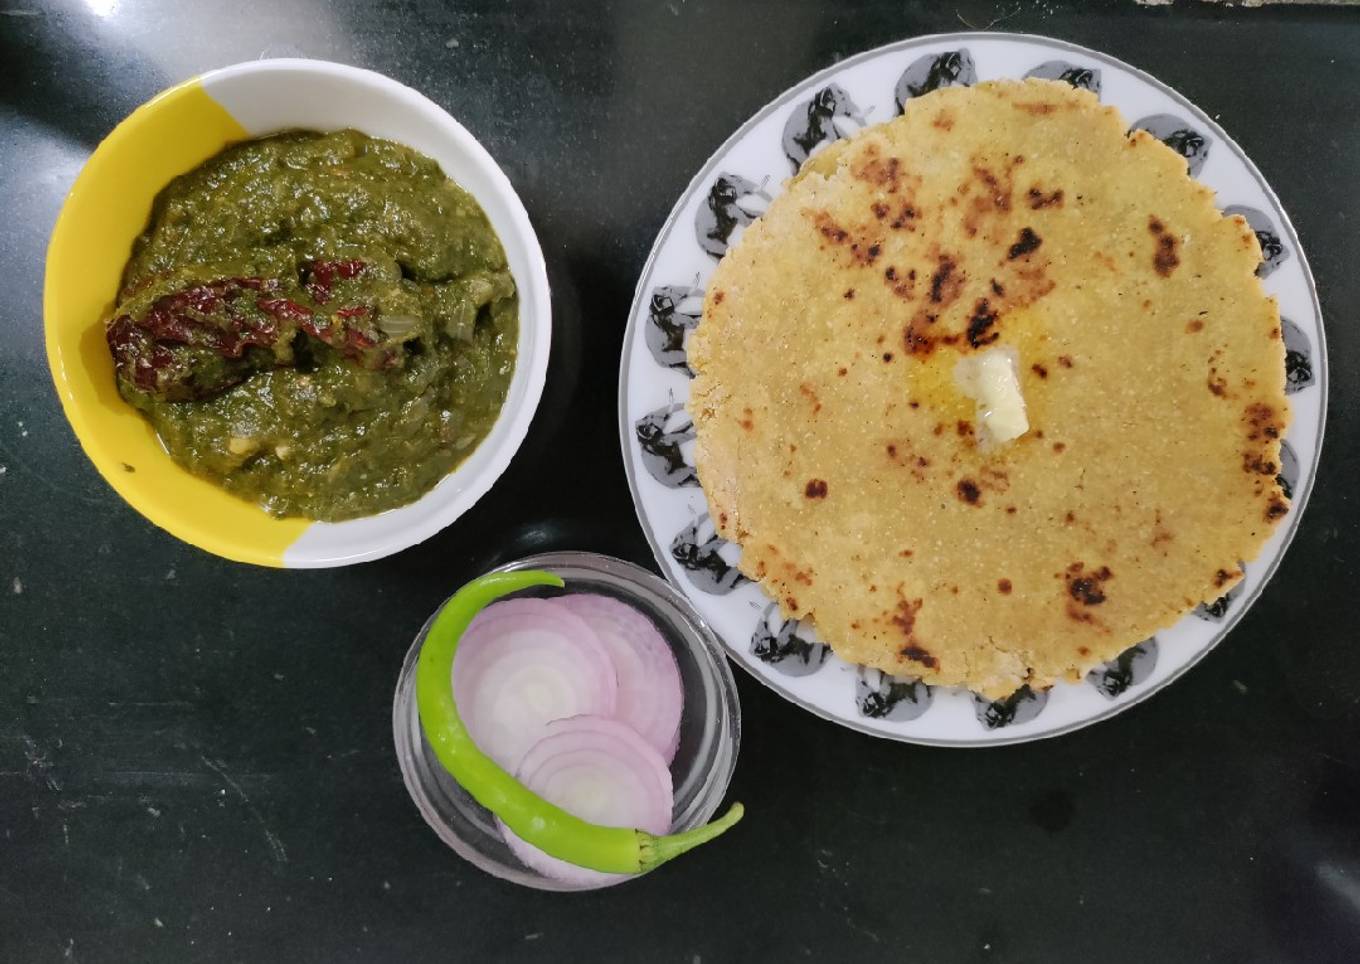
514 674
597 769
650 693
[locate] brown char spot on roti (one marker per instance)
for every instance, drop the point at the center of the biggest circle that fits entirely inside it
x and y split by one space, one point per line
1025 242
1260 418
865 254
997 193
1003 586
829 229
945 283
918 655
1038 199
980 324
869 166
1164 258
815 489
905 219
905 616
969 492
1087 586
1225 576
1253 463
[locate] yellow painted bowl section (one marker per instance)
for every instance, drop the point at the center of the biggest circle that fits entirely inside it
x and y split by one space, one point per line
106 210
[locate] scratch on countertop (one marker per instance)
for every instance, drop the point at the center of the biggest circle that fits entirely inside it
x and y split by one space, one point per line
275 844
13 456
862 929
991 23
40 767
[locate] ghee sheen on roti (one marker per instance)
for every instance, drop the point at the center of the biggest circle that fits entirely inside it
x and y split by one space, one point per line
837 447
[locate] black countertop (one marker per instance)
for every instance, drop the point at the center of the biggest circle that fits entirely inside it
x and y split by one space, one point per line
196 758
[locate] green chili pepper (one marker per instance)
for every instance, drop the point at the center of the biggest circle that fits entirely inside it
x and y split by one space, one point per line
616 850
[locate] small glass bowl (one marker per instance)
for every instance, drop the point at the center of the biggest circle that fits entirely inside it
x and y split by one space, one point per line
710 724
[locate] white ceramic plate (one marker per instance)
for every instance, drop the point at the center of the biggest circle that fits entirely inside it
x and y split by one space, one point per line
734 186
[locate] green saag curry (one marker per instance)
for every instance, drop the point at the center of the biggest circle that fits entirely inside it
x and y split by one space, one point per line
321 323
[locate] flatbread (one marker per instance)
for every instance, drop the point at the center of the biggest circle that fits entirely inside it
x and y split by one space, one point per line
835 448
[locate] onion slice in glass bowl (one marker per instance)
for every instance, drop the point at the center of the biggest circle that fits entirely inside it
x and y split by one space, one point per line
650 693
600 770
514 674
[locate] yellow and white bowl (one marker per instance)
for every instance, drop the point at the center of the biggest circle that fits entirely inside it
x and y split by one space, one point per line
109 206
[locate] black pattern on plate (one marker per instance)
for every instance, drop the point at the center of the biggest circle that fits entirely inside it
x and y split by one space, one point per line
1127 669
698 547
1020 707
1085 78
672 315
953 68
813 123
1273 251
732 202
1178 135
1288 476
780 643
1214 612
883 697
660 435
1298 357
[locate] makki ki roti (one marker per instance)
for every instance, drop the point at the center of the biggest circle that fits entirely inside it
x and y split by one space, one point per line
835 448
